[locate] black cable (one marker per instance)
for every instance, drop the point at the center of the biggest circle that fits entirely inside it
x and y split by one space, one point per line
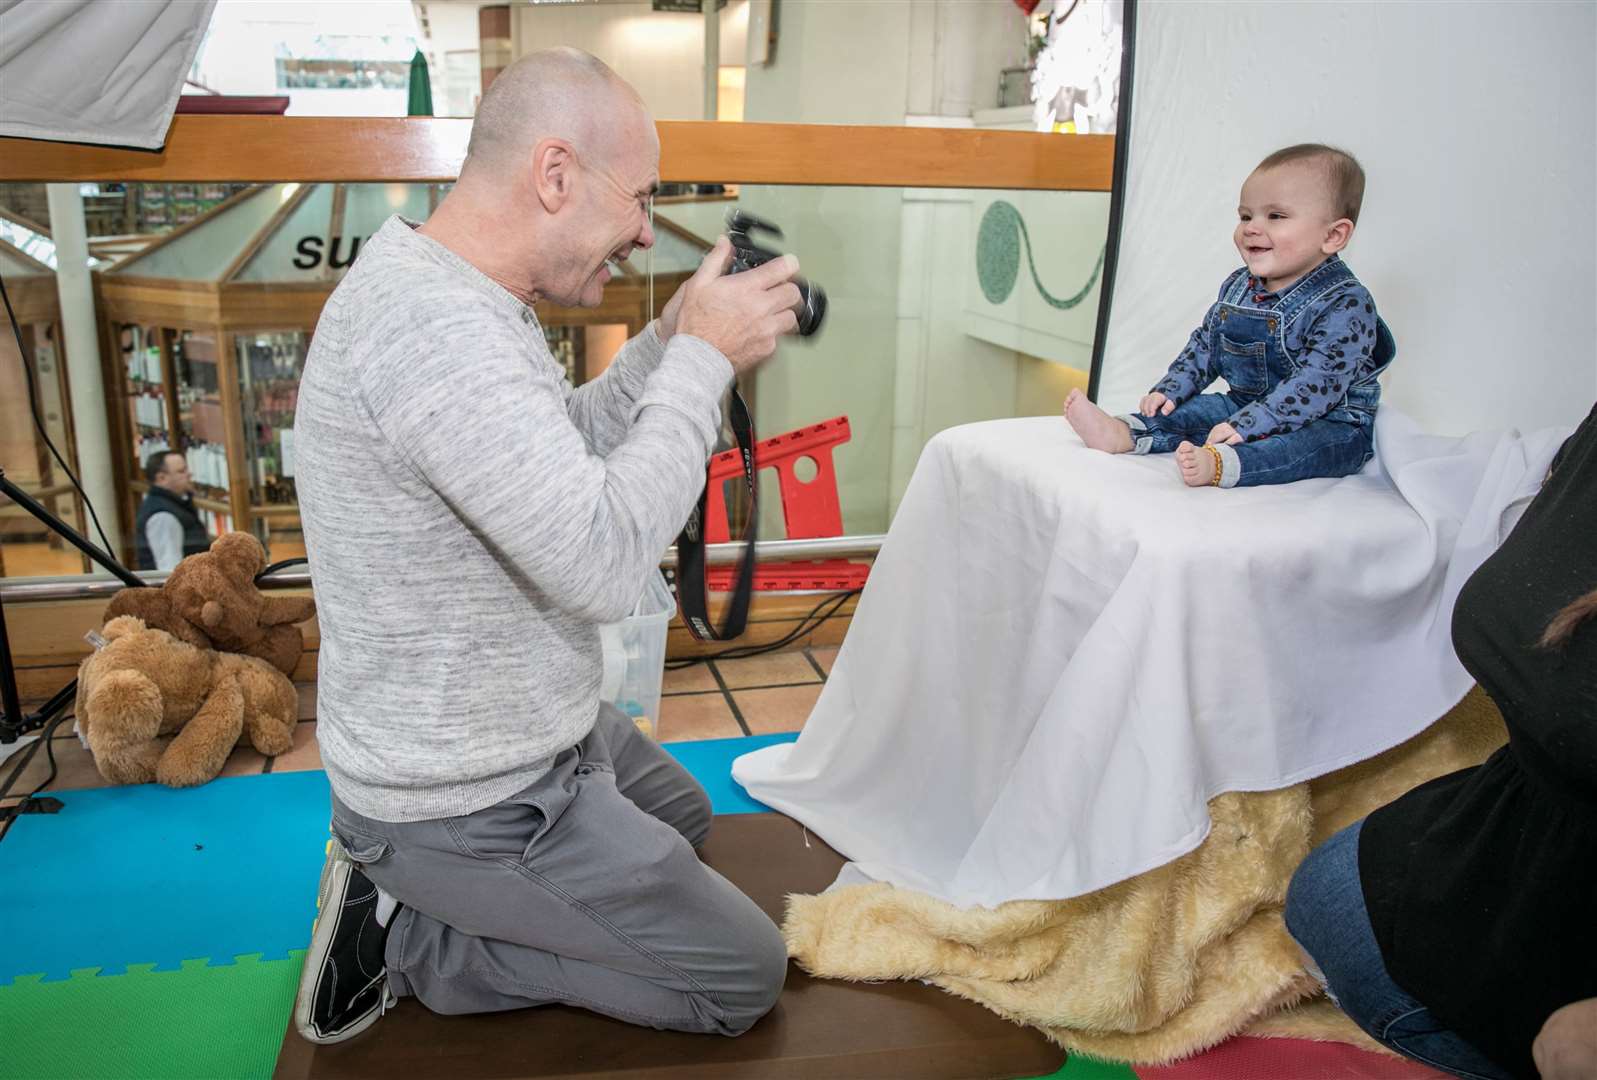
10 814
283 565
33 404
807 624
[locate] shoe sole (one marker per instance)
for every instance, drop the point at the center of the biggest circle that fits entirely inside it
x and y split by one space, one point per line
335 873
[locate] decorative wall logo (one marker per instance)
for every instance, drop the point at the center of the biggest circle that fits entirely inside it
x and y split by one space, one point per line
998 244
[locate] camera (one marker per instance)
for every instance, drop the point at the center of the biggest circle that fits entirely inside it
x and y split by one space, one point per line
746 255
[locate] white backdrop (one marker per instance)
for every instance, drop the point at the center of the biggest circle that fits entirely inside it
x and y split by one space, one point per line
78 71
1475 124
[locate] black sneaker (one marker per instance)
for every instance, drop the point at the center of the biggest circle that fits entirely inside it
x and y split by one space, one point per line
343 989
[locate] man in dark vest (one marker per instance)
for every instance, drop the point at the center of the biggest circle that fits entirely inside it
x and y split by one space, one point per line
168 527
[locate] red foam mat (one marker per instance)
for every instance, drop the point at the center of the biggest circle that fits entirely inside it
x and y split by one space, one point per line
1289 1059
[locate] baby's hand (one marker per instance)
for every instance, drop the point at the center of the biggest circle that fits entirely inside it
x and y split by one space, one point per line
1156 402
1223 433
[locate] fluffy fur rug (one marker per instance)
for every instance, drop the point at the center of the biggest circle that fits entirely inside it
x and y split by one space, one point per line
1166 964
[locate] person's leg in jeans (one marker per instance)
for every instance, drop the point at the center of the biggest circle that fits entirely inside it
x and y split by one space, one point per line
1138 434
1191 421
583 889
1326 916
1321 447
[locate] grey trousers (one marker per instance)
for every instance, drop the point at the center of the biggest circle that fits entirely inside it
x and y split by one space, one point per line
583 889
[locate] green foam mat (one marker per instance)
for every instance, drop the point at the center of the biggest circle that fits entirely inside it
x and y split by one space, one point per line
195 1023
199 1022
1085 1068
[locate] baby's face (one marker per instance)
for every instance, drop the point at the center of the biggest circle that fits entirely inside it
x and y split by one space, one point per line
1284 221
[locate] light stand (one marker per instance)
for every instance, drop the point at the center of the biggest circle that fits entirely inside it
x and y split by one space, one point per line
14 723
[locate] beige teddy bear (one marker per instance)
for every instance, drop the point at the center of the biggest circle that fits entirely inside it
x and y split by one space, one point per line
144 683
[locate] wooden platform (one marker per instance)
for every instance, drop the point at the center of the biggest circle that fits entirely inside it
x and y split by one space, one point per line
820 1030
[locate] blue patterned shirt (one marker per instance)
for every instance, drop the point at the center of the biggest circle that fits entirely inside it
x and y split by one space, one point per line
1333 343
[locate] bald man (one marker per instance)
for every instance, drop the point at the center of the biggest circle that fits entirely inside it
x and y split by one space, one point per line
500 838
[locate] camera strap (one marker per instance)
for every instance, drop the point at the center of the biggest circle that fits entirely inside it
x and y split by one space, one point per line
692 591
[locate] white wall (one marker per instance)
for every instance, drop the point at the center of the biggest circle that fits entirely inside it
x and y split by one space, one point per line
239 54
453 47
838 64
957 50
1475 124
660 53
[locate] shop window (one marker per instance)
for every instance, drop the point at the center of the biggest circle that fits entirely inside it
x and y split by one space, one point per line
342 74
35 406
269 367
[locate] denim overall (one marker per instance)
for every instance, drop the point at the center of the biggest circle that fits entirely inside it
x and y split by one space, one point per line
1249 351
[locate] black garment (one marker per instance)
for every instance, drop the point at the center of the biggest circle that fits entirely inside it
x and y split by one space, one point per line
1482 885
161 501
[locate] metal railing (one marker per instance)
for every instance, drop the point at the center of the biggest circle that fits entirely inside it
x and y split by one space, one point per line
85 587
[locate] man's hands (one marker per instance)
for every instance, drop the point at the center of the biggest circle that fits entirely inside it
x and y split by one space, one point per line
669 315
1222 434
741 315
1156 403
1566 1049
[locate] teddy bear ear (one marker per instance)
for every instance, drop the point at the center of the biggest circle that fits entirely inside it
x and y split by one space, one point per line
241 554
122 626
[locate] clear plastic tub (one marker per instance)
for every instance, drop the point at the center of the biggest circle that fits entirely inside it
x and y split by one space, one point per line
634 655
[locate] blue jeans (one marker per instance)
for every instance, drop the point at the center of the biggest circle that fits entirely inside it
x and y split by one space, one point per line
1335 445
1325 915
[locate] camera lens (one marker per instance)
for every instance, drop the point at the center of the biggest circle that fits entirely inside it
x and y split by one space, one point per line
812 308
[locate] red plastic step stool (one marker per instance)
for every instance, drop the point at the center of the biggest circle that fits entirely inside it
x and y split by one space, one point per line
809 508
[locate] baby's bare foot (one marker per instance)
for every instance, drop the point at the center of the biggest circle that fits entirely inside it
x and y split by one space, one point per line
1097 428
1196 463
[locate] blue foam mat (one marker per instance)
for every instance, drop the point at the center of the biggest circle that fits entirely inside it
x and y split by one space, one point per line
710 762
147 874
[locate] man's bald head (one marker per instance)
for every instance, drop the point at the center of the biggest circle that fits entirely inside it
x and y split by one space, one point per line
560 93
559 174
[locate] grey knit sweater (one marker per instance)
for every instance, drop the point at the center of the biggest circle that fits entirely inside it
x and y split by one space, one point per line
471 520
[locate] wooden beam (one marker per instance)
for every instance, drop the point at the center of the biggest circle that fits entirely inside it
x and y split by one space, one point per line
32 226
335 227
118 425
264 233
184 229
240 477
269 149
847 155
33 298
274 306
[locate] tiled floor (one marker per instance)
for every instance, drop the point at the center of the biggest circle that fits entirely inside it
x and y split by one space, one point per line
715 700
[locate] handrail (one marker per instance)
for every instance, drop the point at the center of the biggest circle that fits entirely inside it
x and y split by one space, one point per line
42 493
85 587
270 149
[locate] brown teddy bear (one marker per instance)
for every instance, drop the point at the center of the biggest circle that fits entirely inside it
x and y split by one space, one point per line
210 601
144 683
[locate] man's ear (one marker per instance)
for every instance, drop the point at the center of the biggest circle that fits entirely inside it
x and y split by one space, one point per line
554 167
1337 236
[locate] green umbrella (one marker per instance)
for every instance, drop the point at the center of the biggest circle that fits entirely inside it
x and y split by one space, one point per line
421 87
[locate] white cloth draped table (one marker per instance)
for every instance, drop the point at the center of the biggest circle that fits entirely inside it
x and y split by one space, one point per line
1061 655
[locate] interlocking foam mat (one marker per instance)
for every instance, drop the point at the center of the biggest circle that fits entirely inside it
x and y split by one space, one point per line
197 1022
150 932
156 876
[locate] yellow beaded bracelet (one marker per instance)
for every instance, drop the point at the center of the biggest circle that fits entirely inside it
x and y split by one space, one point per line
1219 464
